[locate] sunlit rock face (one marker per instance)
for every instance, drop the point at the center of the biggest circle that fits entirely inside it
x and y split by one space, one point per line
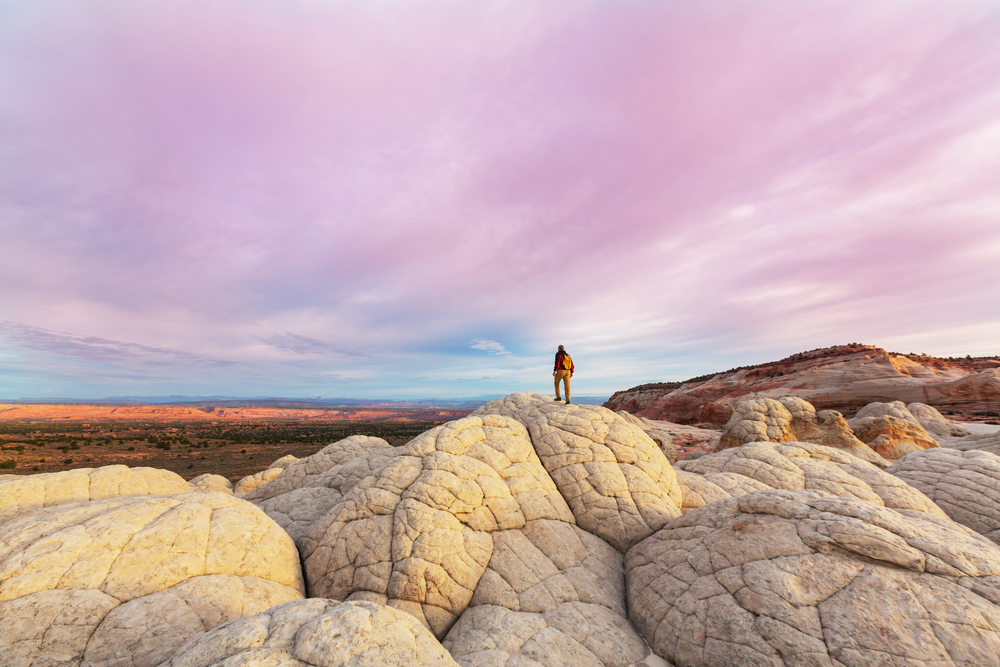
792 419
135 576
316 633
891 430
939 426
843 378
616 480
21 492
416 534
301 493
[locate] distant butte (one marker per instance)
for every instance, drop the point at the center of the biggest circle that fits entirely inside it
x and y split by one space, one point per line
843 378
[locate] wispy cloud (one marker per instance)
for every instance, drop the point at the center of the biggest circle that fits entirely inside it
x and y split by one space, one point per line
488 345
97 350
304 345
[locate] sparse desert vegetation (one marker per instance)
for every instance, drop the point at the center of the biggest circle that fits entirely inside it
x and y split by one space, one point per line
230 449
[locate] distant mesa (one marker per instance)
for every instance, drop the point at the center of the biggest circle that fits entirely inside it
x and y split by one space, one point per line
843 378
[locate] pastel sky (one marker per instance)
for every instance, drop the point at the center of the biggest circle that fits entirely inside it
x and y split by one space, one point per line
408 199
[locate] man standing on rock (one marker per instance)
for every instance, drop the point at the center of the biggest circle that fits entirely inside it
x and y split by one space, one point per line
563 371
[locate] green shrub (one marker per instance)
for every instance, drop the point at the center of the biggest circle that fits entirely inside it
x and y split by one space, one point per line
8 464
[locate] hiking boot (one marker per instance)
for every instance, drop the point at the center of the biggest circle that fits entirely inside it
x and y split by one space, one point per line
567 401
558 398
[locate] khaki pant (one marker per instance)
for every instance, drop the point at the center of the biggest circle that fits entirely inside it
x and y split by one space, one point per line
563 375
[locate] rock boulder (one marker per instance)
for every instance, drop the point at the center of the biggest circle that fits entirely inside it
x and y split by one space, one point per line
782 578
125 581
891 430
316 633
616 480
966 485
788 419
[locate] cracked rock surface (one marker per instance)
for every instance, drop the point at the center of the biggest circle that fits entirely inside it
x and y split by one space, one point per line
801 577
316 633
663 438
935 423
21 492
251 482
794 465
209 482
553 594
616 480
789 419
304 491
416 534
966 485
78 581
984 442
891 430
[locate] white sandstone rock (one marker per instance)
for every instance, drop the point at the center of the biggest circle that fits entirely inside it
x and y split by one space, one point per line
251 482
553 594
22 492
318 470
891 430
284 461
796 465
416 533
209 483
616 480
966 485
935 423
306 489
789 419
805 578
316 633
197 558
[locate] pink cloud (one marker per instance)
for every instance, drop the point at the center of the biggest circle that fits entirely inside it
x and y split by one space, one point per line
676 178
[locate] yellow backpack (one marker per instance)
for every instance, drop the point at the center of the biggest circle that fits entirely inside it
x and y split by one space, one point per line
567 361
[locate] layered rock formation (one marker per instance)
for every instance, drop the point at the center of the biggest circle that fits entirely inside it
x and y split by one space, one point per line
843 378
792 419
891 430
530 533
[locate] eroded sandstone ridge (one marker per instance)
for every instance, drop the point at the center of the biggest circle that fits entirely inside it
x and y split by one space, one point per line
528 534
843 378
